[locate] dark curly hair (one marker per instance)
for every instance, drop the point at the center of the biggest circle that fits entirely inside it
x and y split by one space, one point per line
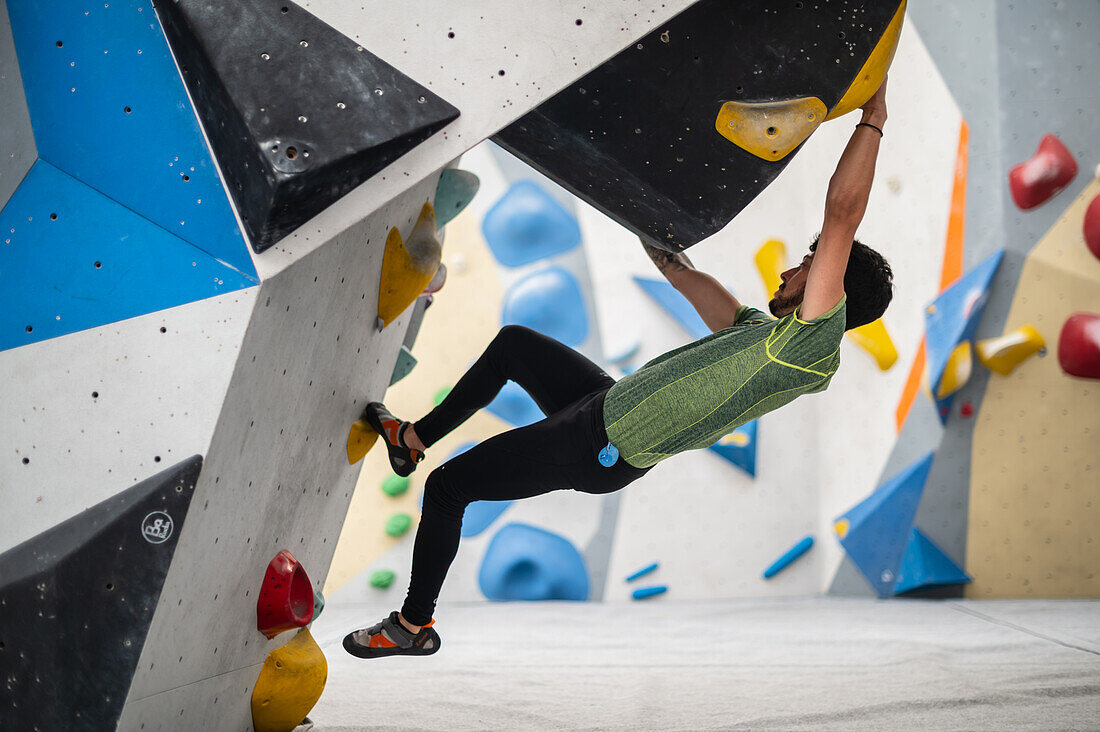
868 282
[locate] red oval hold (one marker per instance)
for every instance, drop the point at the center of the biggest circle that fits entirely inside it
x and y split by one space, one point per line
286 596
1036 180
1079 346
1091 226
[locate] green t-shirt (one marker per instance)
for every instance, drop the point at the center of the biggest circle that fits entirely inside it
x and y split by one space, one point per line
690 397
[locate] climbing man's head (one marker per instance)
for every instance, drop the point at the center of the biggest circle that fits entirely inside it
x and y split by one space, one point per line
868 283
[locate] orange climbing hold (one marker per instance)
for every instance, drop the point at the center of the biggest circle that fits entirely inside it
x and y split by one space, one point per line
1036 180
285 601
1004 353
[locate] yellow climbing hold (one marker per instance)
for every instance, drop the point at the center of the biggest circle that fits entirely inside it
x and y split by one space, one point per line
841 527
408 266
1005 353
770 260
290 683
956 372
770 130
736 439
870 77
875 339
361 439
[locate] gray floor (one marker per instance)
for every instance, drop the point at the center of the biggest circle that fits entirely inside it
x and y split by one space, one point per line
817 663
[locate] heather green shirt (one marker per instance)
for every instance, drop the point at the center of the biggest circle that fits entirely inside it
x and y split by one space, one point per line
692 396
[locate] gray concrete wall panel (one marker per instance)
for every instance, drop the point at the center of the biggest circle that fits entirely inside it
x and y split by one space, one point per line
17 149
276 475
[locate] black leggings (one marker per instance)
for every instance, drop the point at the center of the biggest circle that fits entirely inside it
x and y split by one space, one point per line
555 453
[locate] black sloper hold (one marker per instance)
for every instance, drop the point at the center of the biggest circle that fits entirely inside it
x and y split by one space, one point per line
298 113
636 137
76 602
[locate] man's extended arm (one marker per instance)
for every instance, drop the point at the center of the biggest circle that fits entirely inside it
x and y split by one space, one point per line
845 204
714 303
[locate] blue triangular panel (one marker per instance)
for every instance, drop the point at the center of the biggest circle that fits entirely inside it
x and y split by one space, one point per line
675 304
925 564
878 527
527 225
109 108
515 406
739 447
953 316
71 259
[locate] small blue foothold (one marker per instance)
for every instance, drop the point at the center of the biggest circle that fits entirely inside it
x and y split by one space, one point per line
792 554
609 455
642 572
643 592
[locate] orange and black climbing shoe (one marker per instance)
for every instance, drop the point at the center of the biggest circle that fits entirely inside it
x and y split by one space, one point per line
403 459
391 638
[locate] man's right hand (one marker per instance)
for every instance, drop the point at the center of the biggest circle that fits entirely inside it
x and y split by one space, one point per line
669 263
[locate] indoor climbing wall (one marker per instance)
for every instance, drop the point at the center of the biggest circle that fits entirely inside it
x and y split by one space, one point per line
489 271
716 519
1034 524
205 291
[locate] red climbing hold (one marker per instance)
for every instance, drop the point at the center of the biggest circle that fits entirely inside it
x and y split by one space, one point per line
1079 346
1092 226
286 597
966 409
1034 181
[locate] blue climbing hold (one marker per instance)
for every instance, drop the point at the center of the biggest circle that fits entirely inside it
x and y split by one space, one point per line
874 533
925 565
549 301
672 302
789 556
525 562
643 572
643 592
953 318
455 190
739 447
515 406
527 225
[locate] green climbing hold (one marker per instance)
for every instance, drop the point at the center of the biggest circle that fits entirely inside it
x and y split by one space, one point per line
395 485
398 524
318 603
441 395
382 579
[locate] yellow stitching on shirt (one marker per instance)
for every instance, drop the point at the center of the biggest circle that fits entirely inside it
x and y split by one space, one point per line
685 376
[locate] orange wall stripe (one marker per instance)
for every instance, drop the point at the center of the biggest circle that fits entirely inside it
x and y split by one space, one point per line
912 385
956 219
952 265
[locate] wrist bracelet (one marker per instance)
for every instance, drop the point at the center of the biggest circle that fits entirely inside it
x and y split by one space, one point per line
868 124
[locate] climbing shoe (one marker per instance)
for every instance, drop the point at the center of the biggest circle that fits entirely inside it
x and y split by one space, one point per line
391 638
403 459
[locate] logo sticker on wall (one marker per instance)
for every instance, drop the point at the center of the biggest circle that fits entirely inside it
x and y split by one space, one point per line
156 527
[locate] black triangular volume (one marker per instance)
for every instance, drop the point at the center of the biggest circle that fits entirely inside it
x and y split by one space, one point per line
76 602
298 113
636 137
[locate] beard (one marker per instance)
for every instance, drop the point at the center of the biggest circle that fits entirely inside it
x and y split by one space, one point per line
782 304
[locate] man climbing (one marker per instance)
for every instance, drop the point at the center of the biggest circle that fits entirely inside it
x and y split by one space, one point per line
599 434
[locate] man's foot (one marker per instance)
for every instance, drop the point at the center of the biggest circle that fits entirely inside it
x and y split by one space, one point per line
392 638
403 459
